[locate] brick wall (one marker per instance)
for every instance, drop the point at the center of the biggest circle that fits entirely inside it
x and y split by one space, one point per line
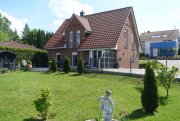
124 54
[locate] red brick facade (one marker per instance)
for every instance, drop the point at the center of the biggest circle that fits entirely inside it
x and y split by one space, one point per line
102 36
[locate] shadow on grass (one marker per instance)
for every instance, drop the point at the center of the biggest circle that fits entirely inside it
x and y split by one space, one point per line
139 89
75 74
32 119
136 114
163 100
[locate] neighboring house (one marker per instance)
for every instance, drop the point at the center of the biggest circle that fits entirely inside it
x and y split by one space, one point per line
160 43
102 40
7 60
16 44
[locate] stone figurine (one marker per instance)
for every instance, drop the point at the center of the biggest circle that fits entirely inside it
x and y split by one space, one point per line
107 106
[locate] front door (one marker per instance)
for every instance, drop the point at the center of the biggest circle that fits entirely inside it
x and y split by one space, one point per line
74 59
58 59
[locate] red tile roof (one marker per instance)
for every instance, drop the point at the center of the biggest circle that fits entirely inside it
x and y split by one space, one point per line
105 28
57 40
15 44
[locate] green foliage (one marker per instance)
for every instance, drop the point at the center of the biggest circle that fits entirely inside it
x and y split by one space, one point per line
166 76
149 96
6 33
4 70
53 65
80 66
38 58
29 62
35 37
66 66
43 103
49 65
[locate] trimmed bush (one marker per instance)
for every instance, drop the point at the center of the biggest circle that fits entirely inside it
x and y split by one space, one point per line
53 65
43 103
39 58
49 65
149 96
80 66
66 66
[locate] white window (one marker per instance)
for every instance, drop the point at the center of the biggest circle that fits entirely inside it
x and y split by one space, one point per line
71 39
77 38
126 38
132 41
132 57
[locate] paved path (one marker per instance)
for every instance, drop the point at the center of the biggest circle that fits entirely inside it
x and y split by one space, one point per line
40 69
171 63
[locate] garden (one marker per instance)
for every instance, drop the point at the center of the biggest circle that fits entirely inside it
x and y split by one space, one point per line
74 97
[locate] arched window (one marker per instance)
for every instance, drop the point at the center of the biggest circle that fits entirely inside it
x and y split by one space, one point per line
125 38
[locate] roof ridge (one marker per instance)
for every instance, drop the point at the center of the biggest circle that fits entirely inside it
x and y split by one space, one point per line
107 11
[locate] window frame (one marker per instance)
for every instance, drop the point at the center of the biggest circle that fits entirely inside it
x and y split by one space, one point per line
78 38
71 39
126 38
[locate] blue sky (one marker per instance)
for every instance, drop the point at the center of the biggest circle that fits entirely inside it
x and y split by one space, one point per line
151 15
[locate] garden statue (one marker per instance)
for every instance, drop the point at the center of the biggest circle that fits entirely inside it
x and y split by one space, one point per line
107 106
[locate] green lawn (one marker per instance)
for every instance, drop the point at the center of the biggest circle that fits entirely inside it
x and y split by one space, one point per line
75 97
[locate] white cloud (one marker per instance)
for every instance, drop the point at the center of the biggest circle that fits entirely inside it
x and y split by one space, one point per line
16 23
63 9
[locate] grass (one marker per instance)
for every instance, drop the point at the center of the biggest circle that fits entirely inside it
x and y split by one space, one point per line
75 97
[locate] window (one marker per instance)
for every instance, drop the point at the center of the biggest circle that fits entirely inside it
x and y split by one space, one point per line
74 59
70 39
132 57
126 39
132 41
77 38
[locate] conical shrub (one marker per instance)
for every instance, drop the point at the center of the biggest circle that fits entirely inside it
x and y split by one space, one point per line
66 66
80 66
149 96
53 65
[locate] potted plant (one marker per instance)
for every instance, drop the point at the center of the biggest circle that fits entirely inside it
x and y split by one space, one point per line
29 65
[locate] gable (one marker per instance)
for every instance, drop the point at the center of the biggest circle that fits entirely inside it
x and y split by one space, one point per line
106 28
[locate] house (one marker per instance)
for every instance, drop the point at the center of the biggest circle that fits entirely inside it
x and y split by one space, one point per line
7 60
16 44
160 43
102 40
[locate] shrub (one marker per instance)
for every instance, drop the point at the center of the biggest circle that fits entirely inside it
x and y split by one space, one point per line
49 65
80 66
53 65
149 96
29 63
66 66
4 70
43 103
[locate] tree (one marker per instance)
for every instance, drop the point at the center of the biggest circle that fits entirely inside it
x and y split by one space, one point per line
6 33
80 66
43 103
35 37
166 76
66 66
149 96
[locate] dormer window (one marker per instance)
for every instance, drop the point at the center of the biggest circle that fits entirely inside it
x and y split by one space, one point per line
71 39
77 39
125 38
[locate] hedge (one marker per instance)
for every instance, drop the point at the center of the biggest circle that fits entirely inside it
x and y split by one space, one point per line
39 58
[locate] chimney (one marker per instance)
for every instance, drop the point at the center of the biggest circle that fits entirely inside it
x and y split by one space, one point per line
82 13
